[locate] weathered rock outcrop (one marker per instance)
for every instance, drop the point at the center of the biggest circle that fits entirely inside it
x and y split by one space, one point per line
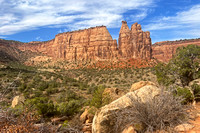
140 84
134 43
96 44
105 119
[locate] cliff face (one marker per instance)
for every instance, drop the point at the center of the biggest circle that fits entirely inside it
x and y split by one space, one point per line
90 44
163 51
86 45
96 43
134 43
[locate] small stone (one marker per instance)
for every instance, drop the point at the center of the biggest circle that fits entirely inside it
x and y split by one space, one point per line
183 127
17 100
129 129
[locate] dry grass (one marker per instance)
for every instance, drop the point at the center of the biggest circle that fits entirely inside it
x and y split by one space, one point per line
163 112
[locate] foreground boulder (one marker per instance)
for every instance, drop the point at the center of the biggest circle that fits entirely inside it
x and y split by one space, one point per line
113 93
86 119
141 84
105 119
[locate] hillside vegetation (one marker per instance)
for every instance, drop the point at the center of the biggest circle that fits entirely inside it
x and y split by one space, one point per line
54 92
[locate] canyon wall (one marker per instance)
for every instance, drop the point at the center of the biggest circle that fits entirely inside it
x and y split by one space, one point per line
96 44
164 51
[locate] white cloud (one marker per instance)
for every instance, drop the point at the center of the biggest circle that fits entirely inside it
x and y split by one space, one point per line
20 15
38 38
184 24
186 19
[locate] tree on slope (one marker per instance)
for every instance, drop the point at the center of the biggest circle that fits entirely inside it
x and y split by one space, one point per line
183 68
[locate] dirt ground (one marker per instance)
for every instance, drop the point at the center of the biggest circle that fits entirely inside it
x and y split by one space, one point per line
196 121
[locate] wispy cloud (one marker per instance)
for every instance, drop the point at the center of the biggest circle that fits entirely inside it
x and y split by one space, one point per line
2 37
38 38
20 15
186 22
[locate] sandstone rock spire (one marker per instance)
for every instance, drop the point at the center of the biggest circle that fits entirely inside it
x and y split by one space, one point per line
124 39
134 43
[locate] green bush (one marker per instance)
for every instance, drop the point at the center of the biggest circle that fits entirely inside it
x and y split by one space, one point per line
51 91
83 86
43 106
99 99
196 90
53 84
67 96
186 94
43 85
69 108
22 87
37 78
37 93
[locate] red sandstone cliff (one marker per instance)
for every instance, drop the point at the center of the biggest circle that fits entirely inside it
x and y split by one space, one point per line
134 43
96 43
163 51
89 44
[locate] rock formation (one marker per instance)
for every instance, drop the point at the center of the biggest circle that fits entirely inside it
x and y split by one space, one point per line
134 43
96 44
163 51
83 45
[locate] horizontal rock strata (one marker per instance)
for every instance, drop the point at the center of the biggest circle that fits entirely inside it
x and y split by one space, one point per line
96 44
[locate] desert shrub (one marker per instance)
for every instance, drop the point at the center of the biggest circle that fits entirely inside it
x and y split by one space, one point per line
42 105
99 99
51 90
69 108
83 86
30 85
185 94
162 112
22 87
67 96
53 84
43 85
196 91
37 78
23 123
91 88
37 93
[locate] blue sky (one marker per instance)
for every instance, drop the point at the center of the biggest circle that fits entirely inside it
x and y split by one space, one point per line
41 20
